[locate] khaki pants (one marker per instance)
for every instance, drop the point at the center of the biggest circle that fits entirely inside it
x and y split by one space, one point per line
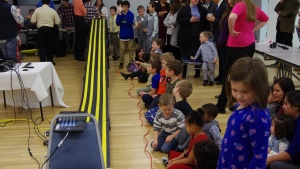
129 47
115 41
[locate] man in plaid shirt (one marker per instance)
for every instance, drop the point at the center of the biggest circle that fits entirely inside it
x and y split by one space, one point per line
66 10
91 11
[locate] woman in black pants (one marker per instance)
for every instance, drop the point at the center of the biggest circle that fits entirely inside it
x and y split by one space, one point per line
241 40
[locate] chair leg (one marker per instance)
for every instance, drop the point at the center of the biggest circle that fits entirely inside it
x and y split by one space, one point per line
186 73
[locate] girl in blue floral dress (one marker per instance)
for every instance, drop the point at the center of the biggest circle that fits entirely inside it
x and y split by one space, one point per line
245 143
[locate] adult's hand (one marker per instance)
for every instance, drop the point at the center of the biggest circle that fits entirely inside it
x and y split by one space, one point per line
234 33
194 19
211 18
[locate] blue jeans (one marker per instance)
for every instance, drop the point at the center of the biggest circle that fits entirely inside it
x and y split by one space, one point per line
163 146
149 101
9 48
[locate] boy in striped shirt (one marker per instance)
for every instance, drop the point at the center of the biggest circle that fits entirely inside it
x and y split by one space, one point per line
167 124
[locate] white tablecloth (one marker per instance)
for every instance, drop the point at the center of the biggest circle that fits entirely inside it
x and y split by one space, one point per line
36 81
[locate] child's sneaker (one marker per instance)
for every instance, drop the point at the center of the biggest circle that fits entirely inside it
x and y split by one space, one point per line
205 83
165 160
211 83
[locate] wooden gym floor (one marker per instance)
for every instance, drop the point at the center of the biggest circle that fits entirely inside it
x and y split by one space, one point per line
126 134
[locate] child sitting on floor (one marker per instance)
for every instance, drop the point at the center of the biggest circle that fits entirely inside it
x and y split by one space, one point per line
151 102
194 124
181 92
211 126
157 45
282 130
137 70
173 70
167 124
206 153
154 56
154 68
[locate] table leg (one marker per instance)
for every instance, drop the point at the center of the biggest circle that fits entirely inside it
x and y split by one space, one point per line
288 71
4 99
279 70
296 76
41 108
51 96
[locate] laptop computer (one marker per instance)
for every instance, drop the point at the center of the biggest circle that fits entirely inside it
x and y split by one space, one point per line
70 122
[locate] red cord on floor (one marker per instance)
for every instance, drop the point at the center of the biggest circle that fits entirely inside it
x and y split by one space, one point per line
148 154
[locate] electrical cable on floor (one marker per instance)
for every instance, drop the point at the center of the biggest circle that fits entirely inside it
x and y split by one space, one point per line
148 154
26 102
29 113
59 144
10 120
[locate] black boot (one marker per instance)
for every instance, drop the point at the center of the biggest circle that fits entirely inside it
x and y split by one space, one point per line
126 76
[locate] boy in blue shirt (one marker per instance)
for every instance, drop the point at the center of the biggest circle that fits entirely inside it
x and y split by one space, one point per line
154 68
125 20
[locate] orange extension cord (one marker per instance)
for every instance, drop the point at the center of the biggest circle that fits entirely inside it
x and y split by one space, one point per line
148 154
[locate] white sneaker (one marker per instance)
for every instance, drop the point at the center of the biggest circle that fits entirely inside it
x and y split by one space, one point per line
165 160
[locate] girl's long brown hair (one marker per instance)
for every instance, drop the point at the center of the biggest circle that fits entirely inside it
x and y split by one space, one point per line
226 13
175 6
253 73
251 10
